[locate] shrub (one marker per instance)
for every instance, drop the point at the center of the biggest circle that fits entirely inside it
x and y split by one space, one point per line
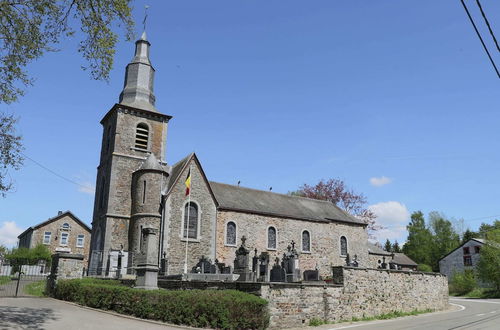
424 268
462 283
222 309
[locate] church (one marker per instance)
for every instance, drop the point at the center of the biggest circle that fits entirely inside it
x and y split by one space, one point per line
137 188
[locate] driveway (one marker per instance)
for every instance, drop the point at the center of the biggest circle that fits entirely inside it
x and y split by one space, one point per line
48 313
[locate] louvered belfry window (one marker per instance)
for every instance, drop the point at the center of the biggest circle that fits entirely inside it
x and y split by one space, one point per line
142 136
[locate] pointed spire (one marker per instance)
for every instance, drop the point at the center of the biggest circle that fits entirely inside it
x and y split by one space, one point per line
152 163
139 78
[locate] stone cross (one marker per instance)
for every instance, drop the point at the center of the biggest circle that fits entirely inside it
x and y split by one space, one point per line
293 245
243 239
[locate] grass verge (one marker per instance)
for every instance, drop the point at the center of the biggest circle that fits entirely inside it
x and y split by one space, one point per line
36 289
394 314
4 279
482 293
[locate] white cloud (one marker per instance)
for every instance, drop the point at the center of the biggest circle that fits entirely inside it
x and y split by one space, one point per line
379 182
8 233
394 216
86 188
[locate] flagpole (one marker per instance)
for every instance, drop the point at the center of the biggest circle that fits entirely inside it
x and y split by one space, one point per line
187 223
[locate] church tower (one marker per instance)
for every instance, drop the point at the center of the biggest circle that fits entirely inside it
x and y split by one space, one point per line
132 131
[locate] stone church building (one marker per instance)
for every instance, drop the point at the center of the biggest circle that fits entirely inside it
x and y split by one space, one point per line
136 188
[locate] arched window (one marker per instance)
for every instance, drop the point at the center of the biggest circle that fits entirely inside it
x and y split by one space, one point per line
231 233
191 224
65 225
343 246
306 241
142 136
271 238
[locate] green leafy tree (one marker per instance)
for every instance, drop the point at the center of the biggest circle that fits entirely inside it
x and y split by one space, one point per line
388 246
485 228
468 235
462 283
488 267
444 239
396 248
29 29
418 243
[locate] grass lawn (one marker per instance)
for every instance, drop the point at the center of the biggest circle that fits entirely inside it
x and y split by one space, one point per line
4 279
36 288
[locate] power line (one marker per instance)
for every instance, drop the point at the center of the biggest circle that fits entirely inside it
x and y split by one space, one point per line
488 24
480 38
53 172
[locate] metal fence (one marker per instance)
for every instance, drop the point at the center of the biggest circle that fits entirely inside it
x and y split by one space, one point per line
20 279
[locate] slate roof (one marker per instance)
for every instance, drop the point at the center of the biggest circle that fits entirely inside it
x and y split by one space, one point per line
373 249
41 224
403 259
176 170
236 198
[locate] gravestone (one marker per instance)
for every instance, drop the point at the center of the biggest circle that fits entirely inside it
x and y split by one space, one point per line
383 265
277 272
241 263
204 266
263 274
163 265
311 275
291 263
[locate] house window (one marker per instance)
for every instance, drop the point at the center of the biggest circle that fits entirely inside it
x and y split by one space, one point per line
477 248
467 261
190 225
306 241
466 250
65 225
343 246
64 239
80 240
231 233
142 136
271 238
46 237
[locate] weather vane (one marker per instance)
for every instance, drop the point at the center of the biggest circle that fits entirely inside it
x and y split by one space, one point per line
145 16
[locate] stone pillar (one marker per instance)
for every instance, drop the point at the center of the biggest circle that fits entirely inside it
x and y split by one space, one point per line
147 261
64 266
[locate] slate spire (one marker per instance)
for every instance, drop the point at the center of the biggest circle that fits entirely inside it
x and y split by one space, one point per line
139 78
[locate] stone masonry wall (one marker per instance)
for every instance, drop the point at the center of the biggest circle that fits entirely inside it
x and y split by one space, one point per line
55 228
174 244
325 239
362 292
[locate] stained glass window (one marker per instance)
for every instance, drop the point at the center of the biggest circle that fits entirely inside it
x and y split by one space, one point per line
343 246
193 220
271 238
306 241
231 233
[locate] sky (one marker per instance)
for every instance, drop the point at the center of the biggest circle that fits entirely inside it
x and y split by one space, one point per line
396 98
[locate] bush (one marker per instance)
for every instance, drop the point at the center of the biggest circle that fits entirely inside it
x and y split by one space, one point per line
462 283
222 309
424 268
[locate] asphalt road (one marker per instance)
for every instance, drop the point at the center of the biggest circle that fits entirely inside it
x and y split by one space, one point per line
52 314
470 314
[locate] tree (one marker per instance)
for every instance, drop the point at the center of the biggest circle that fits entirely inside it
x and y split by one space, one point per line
29 29
388 246
418 243
396 248
336 191
485 228
468 235
488 267
444 239
10 151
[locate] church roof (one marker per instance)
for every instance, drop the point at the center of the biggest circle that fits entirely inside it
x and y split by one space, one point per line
373 249
403 259
151 163
240 199
177 170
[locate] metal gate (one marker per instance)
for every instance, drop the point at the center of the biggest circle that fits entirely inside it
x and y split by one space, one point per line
23 280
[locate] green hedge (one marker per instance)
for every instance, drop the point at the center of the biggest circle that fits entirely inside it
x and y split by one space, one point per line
221 309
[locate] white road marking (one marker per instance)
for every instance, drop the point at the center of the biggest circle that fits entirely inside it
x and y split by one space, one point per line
477 300
461 307
492 312
480 314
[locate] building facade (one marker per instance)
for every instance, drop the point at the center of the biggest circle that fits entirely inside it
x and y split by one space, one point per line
62 233
136 189
464 257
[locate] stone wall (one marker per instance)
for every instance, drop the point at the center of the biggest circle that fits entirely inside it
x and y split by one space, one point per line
65 266
325 239
173 242
359 292
454 262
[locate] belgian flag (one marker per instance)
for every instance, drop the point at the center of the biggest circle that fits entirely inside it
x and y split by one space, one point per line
188 183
